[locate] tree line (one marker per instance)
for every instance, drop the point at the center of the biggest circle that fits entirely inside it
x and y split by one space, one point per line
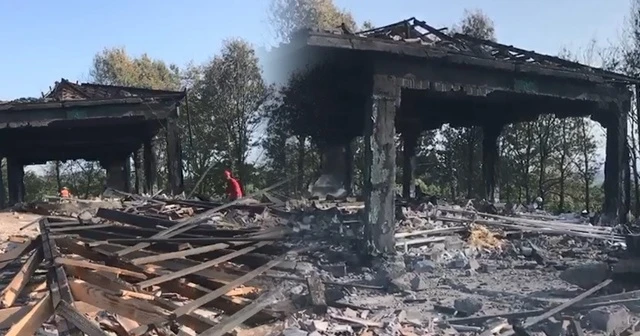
232 111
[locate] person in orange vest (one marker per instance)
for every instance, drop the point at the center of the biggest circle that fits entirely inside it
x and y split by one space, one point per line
64 193
234 190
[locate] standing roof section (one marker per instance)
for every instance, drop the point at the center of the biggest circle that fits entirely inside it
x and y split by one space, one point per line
67 94
413 37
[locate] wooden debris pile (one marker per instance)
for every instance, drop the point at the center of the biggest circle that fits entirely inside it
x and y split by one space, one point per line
138 274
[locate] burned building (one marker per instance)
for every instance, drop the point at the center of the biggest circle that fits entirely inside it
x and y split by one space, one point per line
409 77
93 122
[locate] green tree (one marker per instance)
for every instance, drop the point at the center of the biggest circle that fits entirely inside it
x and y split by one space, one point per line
233 91
114 66
288 16
477 24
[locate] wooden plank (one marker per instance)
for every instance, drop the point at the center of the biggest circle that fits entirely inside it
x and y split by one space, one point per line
7 258
81 227
98 267
95 278
32 321
11 293
195 304
199 302
57 281
10 316
555 310
80 321
199 267
132 308
193 221
244 314
179 254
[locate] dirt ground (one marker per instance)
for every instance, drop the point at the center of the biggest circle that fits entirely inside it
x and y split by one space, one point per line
11 222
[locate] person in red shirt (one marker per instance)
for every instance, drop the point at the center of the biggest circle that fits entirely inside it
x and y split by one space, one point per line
234 191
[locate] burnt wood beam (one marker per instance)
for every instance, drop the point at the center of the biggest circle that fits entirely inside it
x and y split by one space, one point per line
380 165
616 124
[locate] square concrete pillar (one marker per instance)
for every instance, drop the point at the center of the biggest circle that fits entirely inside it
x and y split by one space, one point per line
15 180
117 177
490 158
614 194
380 166
150 167
409 145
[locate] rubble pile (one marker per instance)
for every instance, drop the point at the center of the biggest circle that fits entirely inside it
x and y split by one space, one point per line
139 265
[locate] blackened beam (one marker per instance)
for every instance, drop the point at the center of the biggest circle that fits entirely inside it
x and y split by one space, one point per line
228 324
194 221
157 223
58 285
197 303
196 268
187 240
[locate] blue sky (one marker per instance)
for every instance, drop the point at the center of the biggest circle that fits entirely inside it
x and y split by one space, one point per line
43 41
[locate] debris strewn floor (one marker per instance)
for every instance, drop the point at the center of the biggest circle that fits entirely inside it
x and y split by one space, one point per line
136 265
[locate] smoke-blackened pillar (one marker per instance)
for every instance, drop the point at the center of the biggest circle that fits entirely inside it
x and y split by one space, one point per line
348 176
490 134
380 165
616 124
117 176
150 166
15 180
174 157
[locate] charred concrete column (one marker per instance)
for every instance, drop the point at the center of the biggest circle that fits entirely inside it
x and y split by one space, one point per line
174 158
116 172
136 171
409 144
333 170
490 134
127 174
3 194
627 183
616 124
380 165
150 166
15 180
348 174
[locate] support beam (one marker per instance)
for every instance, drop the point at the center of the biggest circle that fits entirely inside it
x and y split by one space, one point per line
490 134
616 124
15 177
380 166
174 158
150 166
409 144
